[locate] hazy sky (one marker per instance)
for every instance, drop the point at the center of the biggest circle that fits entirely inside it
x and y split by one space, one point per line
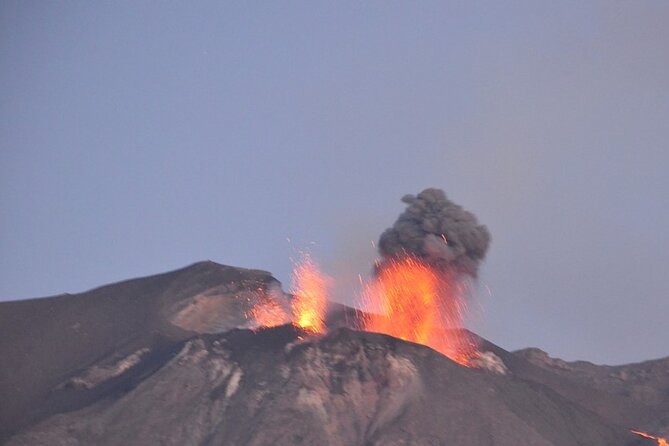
139 137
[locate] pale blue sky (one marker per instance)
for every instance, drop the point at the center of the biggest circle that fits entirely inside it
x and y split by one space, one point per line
139 137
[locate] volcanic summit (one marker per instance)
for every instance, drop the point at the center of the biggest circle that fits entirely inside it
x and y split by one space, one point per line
174 359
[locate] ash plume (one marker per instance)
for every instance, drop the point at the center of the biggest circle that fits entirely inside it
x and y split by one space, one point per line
437 231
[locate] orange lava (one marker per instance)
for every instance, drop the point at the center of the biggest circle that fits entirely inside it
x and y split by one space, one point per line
310 290
268 313
419 304
661 441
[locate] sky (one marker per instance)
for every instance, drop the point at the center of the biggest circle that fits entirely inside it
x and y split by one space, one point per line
139 137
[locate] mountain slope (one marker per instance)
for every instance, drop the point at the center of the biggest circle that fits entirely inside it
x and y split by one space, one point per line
343 389
43 342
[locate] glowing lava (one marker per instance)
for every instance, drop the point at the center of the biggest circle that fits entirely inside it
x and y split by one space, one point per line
407 299
661 441
309 287
419 304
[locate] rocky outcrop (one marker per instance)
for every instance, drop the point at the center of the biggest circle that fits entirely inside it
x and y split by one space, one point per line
542 359
100 373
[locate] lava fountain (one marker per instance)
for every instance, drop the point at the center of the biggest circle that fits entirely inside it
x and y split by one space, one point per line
411 300
309 287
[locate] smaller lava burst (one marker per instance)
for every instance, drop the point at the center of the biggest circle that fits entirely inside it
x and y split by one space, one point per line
268 313
411 300
661 441
309 304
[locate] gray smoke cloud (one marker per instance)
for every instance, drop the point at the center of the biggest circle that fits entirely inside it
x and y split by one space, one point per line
437 231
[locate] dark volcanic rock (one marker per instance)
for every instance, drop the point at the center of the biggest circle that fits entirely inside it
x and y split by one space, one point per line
347 388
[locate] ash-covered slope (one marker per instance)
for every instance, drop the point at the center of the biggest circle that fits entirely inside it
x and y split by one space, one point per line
161 360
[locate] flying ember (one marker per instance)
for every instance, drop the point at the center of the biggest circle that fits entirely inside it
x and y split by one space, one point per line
413 301
309 287
661 441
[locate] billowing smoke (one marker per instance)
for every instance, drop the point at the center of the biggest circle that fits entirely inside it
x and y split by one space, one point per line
437 231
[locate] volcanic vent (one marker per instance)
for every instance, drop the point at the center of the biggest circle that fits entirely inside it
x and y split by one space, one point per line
420 284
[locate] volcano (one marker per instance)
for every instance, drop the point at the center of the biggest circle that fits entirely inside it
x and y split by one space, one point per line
173 359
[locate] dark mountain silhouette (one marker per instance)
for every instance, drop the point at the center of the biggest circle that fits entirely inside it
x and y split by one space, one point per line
168 360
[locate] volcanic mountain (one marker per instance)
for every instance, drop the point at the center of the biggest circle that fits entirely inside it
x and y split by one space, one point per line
173 360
